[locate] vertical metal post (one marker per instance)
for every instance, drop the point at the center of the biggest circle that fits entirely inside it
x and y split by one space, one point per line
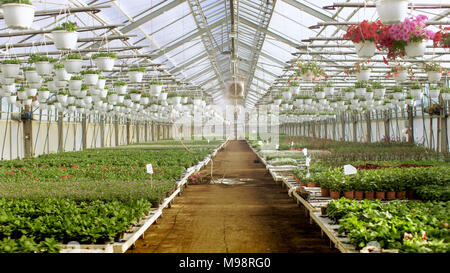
84 132
27 132
60 132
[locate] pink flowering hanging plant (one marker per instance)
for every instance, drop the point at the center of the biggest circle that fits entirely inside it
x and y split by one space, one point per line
396 37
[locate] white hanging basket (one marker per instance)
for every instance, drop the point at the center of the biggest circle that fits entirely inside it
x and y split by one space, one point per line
445 96
65 40
75 85
144 100
43 68
365 49
103 93
11 99
286 95
415 49
398 95
60 84
32 76
434 93
62 98
10 70
31 92
329 91
363 75
73 65
320 95
43 95
62 75
18 16
121 89
155 89
277 102
105 63
101 83
90 79
113 98
135 76
368 95
35 85
416 93
434 76
295 90
349 95
22 95
392 11
360 92
163 96
401 76
309 76
9 88
136 97
120 99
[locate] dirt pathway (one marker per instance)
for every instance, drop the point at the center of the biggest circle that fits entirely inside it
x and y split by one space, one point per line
256 216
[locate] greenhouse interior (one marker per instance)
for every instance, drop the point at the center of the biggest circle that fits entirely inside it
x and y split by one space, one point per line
205 126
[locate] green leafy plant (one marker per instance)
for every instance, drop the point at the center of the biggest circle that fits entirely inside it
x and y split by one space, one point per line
156 82
34 58
11 61
137 69
73 56
68 26
104 55
120 83
89 71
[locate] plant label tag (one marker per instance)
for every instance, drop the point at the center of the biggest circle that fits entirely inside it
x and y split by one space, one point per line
208 141
149 168
260 143
349 169
292 143
308 160
305 151
308 175
277 146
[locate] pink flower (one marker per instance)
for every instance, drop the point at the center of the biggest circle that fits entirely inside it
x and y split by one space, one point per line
424 237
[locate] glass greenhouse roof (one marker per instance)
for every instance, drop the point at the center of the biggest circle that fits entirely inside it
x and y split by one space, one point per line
207 43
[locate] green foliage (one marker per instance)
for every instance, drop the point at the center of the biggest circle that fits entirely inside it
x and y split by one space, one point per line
73 56
137 69
104 55
120 83
26 2
67 26
89 71
11 61
34 58
156 83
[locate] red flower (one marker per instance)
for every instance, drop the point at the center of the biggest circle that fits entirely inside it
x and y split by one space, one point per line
63 176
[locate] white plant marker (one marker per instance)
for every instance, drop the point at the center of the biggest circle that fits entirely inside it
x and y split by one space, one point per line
349 169
277 146
305 151
150 171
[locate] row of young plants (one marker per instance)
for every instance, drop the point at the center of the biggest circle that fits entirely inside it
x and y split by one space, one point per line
425 183
91 196
418 227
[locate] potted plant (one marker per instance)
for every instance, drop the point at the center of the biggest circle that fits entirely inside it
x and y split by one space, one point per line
101 82
104 60
400 73
90 77
43 64
62 97
369 92
360 88
409 100
155 88
135 74
61 73
309 71
349 93
335 189
445 93
277 99
294 85
325 188
442 37
75 83
65 36
319 91
31 75
113 97
329 89
397 92
18 14
135 95
379 90
73 63
120 87
31 92
364 36
11 98
43 93
21 93
392 11
415 90
434 91
11 68
145 99
434 71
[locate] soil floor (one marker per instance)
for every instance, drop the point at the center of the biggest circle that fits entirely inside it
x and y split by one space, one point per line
256 216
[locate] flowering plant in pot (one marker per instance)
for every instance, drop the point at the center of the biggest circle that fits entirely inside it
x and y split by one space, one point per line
65 36
407 38
90 77
309 71
120 87
442 37
400 73
73 63
365 37
11 68
415 90
294 85
135 74
104 60
18 14
155 88
42 63
135 95
434 71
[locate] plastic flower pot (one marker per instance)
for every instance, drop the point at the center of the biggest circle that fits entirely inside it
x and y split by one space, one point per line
120 99
335 194
410 194
31 92
434 93
369 195
309 76
155 89
11 99
113 98
365 49
401 76
392 11
311 184
135 97
43 68
294 89
32 76
434 76
349 95
9 88
144 100
90 79
87 100
360 92
27 102
277 101
135 76
71 100
18 16
286 95
163 96
120 89
65 40
62 75
349 194
416 93
390 195
75 85
415 49
445 96
22 95
363 75
308 101
380 195
320 95
368 95
4 80
324 192
397 95
103 93
73 65
60 84
62 98
10 70
104 63
329 91
44 94
101 83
